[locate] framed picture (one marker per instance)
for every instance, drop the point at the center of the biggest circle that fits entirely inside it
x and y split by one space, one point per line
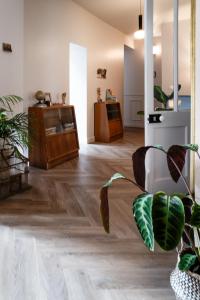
7 47
101 73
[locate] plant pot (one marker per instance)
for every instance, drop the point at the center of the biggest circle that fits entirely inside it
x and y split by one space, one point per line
5 154
186 285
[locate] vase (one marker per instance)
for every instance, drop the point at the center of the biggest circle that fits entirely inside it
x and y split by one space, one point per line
186 285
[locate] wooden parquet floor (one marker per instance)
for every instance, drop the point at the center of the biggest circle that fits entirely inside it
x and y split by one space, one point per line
53 246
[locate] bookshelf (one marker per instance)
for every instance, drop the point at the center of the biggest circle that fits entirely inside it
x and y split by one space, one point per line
108 124
54 135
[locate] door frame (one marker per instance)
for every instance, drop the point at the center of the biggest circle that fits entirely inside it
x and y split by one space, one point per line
196 91
195 77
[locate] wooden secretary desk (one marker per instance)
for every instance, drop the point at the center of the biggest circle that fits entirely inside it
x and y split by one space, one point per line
54 136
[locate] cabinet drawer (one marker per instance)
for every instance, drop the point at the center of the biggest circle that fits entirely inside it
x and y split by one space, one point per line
61 144
115 127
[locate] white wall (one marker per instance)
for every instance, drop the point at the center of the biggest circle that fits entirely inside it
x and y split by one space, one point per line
50 26
11 31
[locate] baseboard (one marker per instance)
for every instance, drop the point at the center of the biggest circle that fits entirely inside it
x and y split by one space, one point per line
91 140
133 126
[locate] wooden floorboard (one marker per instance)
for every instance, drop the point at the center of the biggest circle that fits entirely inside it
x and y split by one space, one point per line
53 246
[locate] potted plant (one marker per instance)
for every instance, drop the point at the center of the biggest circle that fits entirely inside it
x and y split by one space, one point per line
170 220
161 97
13 129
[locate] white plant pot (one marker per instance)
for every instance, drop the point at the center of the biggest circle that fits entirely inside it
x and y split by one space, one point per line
186 285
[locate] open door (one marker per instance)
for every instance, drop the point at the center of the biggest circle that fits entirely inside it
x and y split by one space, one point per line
165 124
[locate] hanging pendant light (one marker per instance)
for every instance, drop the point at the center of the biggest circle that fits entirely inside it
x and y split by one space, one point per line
139 34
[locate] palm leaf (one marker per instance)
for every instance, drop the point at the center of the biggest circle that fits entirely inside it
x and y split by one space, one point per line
9 100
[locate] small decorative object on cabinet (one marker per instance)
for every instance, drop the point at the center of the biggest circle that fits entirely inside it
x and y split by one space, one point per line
99 95
107 122
55 137
40 97
110 96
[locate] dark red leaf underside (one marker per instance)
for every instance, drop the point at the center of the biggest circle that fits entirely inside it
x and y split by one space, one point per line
139 165
104 209
176 153
187 203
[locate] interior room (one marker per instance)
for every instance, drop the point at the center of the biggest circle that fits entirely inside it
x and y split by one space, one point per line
99 155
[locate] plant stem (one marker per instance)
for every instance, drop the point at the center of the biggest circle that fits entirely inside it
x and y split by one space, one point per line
137 185
192 244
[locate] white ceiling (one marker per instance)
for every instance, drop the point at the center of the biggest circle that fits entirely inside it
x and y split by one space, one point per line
122 14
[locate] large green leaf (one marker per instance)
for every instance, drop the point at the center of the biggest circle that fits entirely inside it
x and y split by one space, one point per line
104 207
187 203
168 220
159 95
195 219
186 262
142 210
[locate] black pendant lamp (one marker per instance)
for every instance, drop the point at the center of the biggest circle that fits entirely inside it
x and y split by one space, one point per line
139 34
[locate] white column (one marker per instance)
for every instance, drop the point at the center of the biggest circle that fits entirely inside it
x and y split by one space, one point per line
175 53
197 101
149 84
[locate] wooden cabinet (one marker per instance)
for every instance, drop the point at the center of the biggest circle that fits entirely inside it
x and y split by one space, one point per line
107 122
54 137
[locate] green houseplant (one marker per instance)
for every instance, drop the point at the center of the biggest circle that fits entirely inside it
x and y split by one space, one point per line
162 98
169 220
13 128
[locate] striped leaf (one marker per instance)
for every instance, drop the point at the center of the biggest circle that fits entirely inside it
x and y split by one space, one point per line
195 219
186 262
168 220
142 210
191 147
187 203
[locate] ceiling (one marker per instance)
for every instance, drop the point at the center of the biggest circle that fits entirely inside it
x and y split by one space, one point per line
122 14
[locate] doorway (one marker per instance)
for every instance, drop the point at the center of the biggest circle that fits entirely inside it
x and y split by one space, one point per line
78 87
168 89
134 85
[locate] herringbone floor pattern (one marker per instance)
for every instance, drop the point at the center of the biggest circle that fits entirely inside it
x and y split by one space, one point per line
53 245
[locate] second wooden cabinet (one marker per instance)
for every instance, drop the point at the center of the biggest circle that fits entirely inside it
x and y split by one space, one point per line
108 124
54 135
